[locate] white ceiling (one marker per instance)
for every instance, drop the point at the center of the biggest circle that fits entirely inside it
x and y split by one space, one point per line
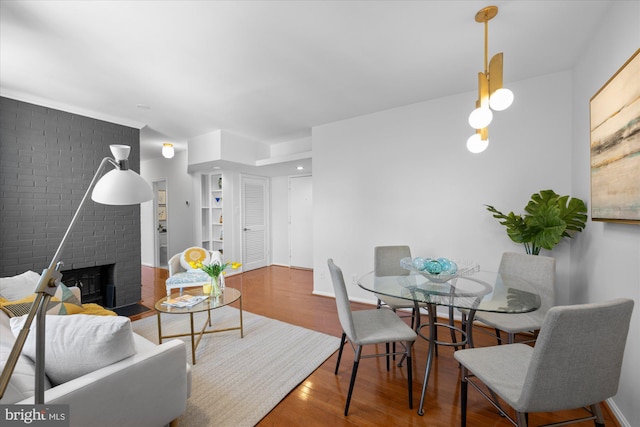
269 70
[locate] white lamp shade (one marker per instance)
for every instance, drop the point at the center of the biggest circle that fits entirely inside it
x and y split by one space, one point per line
120 152
121 187
476 144
167 150
501 99
480 118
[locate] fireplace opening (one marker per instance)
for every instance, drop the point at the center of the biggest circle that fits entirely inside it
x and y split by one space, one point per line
97 284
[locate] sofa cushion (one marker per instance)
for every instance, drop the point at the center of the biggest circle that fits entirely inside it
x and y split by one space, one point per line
65 301
20 286
77 345
22 383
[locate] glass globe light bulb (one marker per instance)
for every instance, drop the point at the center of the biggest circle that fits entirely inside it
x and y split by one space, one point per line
501 99
476 144
167 150
480 118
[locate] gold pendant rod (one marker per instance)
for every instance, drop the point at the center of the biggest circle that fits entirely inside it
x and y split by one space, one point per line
485 15
486 46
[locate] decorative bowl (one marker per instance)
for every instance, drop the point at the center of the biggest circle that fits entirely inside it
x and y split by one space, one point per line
448 268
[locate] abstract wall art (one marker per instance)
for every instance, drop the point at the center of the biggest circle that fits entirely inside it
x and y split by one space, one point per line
615 146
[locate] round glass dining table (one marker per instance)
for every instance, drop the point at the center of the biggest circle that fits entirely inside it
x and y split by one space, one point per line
480 291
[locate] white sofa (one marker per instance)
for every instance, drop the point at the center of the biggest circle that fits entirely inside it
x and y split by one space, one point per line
148 388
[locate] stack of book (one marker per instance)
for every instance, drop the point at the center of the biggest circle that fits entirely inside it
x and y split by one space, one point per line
185 301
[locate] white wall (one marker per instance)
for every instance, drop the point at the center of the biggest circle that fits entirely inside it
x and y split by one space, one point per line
404 176
179 214
605 264
280 220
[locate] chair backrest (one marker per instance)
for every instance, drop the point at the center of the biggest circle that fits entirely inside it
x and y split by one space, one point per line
342 300
577 358
386 260
539 271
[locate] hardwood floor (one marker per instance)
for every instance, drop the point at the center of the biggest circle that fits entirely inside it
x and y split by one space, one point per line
379 397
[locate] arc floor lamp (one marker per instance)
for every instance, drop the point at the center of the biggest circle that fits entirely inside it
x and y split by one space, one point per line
120 186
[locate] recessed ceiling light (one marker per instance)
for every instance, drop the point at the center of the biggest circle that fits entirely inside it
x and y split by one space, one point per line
300 168
143 106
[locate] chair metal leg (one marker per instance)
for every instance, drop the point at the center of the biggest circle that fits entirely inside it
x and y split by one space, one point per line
499 338
342 342
409 373
522 419
356 361
451 330
464 325
597 412
387 348
464 386
394 349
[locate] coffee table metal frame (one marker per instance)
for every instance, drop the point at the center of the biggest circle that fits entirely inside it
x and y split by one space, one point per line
229 296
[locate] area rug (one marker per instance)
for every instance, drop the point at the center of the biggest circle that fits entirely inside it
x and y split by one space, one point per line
237 381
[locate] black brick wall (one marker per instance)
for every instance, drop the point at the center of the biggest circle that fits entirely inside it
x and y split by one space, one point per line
47 160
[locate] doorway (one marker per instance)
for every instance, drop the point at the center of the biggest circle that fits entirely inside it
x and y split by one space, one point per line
160 215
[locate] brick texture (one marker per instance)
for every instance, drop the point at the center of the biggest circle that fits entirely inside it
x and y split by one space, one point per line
47 160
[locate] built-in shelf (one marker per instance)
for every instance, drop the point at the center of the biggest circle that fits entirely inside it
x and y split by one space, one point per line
211 206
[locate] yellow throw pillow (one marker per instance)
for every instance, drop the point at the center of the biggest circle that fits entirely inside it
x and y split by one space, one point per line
97 310
195 255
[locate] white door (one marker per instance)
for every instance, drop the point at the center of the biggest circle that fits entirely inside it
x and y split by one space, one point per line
300 222
254 223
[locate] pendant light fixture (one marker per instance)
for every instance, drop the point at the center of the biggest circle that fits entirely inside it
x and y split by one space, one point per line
491 94
167 150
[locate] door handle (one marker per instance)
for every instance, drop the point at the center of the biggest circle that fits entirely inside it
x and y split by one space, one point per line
247 229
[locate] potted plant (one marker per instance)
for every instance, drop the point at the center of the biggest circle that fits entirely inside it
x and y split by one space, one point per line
549 218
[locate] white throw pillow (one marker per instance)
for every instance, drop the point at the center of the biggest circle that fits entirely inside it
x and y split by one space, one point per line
20 286
79 344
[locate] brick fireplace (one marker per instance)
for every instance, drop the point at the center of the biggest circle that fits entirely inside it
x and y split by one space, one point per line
47 160
96 284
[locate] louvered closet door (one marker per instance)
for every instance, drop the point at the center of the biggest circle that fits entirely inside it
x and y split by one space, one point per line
254 223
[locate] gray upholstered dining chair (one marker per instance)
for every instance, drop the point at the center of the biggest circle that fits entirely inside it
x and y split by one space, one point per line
575 363
540 272
386 262
369 327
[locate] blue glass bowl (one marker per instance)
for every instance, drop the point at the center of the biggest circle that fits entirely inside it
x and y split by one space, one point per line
464 268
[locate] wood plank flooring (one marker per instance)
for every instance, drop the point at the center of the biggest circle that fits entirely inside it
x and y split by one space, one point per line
379 397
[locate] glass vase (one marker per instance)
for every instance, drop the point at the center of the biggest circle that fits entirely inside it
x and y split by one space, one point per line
214 287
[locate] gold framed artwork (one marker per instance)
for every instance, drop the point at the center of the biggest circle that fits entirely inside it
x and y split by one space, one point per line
162 213
615 146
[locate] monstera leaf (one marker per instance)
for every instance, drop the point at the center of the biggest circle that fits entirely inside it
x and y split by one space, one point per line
549 218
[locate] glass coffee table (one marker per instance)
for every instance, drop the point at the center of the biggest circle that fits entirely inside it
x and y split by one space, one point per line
229 295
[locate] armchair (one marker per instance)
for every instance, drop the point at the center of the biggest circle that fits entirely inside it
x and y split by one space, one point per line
181 274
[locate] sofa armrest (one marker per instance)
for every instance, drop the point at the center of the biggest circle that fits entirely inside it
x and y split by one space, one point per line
147 389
